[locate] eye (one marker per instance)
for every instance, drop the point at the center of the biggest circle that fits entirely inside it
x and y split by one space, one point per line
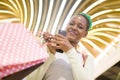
71 23
80 26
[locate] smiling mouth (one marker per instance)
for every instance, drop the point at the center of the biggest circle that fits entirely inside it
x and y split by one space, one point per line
72 32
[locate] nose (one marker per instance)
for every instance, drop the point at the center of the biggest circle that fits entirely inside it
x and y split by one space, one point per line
75 27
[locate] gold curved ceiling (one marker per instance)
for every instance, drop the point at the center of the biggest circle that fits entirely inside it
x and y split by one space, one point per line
51 15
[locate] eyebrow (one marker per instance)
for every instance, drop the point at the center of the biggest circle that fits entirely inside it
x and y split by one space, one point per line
79 24
82 25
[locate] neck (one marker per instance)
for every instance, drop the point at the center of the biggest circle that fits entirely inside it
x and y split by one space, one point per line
74 44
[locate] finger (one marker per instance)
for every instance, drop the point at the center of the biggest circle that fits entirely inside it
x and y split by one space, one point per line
53 46
59 35
47 36
56 41
56 44
57 47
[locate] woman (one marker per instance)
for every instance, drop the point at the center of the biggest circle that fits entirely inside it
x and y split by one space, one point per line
70 65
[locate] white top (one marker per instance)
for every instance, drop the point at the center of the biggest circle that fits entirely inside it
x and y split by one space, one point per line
64 57
74 59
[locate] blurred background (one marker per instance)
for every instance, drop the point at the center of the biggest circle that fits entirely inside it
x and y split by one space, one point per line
102 41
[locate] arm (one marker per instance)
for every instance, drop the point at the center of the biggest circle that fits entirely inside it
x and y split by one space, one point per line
76 61
39 73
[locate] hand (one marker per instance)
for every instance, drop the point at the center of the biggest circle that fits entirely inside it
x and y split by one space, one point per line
62 43
51 47
47 36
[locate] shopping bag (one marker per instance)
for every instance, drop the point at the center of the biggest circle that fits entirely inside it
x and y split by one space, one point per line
19 49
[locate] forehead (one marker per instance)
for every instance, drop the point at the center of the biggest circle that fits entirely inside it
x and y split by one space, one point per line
79 19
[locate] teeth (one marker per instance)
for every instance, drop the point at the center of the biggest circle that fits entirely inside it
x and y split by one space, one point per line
70 30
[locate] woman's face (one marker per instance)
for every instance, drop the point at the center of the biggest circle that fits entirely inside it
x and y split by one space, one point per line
76 28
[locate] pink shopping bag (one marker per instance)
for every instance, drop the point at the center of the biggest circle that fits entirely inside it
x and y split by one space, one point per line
18 49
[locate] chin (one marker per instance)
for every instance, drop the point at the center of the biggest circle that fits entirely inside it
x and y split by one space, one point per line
71 38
